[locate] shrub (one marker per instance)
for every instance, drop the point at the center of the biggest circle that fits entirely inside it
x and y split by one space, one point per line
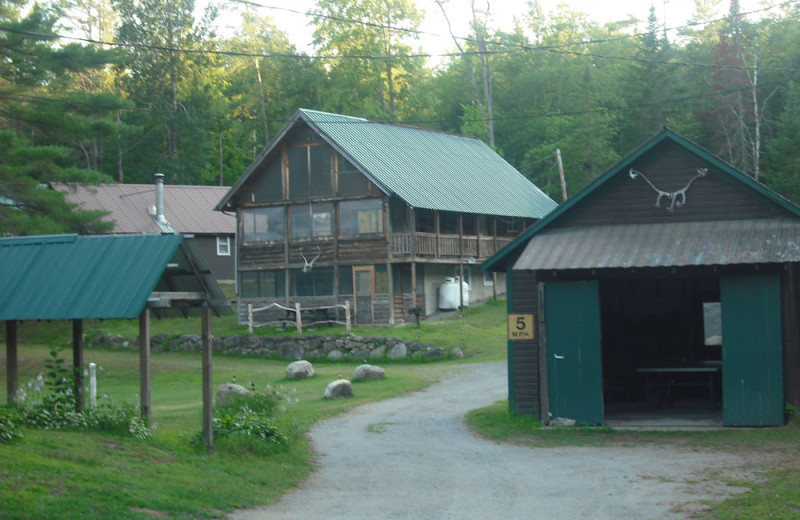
9 426
51 405
248 422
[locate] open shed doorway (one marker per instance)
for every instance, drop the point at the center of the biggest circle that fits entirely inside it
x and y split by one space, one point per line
661 349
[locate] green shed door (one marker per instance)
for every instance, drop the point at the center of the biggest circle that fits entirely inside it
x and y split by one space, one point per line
752 362
574 371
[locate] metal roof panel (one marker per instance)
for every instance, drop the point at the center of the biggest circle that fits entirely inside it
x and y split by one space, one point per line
678 244
104 276
189 209
433 170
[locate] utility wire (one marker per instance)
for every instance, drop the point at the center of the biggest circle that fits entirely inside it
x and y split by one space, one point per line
509 48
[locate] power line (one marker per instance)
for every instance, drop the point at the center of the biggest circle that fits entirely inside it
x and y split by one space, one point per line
508 47
516 49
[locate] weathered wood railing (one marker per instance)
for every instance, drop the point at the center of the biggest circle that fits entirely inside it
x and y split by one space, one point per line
312 312
431 244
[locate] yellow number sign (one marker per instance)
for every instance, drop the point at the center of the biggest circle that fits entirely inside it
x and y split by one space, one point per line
520 327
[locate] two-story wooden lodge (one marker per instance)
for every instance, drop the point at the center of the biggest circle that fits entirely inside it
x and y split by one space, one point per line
342 208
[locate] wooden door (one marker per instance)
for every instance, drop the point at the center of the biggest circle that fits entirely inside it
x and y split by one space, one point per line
752 353
364 291
573 347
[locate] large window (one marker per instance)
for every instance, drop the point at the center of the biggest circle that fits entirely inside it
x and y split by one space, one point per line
317 282
361 217
310 171
263 284
314 220
262 224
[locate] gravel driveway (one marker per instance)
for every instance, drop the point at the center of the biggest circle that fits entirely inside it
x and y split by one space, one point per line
413 457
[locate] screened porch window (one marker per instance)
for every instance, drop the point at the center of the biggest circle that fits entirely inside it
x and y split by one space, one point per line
262 224
317 282
361 217
262 284
315 220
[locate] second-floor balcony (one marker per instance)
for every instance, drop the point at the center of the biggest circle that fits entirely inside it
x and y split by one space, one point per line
434 245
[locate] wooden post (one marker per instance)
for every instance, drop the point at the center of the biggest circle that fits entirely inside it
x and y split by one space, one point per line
413 285
77 363
208 402
461 289
250 318
347 315
390 283
298 317
144 363
11 361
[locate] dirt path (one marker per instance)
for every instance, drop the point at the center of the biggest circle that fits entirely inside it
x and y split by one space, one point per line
413 458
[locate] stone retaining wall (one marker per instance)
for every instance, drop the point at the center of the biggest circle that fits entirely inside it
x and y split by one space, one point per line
300 347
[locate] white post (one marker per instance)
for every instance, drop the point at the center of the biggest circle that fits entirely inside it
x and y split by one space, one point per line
92 386
250 318
298 317
347 315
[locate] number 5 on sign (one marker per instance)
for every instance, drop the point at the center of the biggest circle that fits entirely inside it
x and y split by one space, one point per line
520 326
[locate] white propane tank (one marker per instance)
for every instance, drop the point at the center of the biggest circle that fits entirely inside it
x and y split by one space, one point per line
448 295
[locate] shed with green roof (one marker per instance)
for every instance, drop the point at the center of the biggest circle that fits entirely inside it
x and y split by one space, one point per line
382 215
668 289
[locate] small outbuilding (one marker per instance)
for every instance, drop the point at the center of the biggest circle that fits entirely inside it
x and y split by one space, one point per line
671 281
73 277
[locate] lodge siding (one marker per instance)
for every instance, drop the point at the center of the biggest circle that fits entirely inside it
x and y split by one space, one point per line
526 354
624 200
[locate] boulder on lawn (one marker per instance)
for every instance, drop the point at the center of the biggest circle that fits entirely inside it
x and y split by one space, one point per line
339 388
299 370
230 391
368 373
398 351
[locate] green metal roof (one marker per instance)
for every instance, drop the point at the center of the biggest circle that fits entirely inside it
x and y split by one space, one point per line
425 168
62 277
511 252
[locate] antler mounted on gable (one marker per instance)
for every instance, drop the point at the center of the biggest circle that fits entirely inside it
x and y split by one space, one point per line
677 197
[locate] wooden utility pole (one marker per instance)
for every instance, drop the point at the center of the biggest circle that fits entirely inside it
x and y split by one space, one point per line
561 176
208 392
144 363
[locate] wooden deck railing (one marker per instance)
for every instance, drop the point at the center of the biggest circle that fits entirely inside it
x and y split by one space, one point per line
445 246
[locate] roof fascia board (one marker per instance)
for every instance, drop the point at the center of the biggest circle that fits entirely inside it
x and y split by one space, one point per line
222 205
297 117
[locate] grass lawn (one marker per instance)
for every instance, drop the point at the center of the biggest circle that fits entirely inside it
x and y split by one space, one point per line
68 474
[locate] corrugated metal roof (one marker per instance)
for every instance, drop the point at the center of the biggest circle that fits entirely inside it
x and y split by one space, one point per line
189 209
433 170
63 277
678 244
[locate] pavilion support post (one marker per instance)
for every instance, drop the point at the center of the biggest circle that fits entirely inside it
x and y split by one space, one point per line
11 360
77 363
144 363
208 403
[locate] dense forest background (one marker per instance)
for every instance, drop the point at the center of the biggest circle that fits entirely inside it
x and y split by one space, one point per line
116 90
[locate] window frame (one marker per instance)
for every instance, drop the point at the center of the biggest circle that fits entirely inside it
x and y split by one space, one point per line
225 242
350 217
270 222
